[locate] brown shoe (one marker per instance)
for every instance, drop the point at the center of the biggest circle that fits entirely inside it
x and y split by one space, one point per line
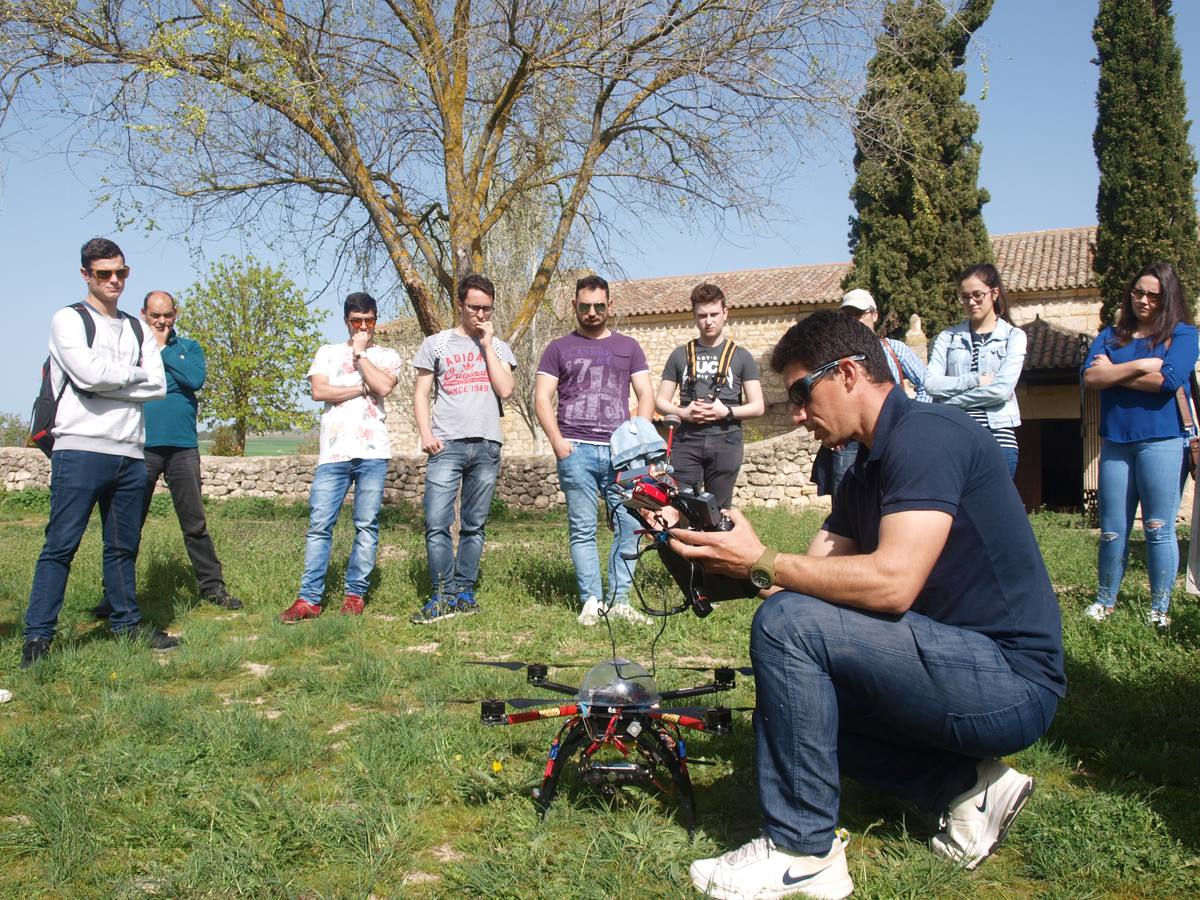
299 611
352 605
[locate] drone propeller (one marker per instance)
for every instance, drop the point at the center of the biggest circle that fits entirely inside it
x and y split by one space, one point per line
518 702
748 671
514 665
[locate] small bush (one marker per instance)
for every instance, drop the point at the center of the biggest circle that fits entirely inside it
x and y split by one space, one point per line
225 442
30 500
14 431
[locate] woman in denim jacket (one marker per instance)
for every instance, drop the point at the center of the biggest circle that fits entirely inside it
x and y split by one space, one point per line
1137 365
975 364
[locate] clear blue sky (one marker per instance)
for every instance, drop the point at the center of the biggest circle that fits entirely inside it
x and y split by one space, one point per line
1036 123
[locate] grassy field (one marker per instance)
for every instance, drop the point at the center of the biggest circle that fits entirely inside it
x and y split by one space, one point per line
269 445
329 759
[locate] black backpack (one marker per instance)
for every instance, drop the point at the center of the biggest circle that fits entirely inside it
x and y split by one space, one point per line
45 407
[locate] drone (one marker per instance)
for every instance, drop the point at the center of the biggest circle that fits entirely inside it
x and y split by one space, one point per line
617 709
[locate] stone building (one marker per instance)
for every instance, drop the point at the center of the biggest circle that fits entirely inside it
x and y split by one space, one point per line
1052 291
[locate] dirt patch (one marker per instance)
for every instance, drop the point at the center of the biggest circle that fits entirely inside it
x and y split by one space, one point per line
259 670
431 647
444 853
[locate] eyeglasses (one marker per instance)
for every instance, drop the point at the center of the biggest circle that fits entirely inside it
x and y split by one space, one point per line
1138 294
975 296
800 391
480 310
598 307
106 274
361 321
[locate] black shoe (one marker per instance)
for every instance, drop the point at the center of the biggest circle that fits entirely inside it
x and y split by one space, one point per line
34 650
225 601
155 637
102 611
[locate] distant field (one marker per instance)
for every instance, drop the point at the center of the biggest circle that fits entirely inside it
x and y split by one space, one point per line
267 445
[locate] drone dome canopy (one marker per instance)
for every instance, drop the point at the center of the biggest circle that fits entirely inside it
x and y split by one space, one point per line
618 682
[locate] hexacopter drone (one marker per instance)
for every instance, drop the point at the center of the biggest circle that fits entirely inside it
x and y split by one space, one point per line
617 708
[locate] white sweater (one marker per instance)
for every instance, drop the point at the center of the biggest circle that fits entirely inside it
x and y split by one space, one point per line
111 420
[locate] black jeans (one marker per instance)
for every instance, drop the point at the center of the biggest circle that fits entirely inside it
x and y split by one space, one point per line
181 466
708 459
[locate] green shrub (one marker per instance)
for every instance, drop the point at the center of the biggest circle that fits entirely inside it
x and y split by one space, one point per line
225 442
14 431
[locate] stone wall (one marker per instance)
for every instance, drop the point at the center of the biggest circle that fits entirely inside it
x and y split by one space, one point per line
775 473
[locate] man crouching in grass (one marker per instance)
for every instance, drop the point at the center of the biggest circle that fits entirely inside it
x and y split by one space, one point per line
917 641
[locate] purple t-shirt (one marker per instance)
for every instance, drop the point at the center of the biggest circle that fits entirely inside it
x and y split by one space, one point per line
593 382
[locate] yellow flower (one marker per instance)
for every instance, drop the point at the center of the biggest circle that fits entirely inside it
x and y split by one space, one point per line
497 765
458 757
112 676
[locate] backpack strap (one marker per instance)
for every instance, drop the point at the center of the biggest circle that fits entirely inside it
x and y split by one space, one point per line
725 361
137 332
895 359
89 333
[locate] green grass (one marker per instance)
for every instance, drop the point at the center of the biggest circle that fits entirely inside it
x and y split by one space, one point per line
269 445
329 759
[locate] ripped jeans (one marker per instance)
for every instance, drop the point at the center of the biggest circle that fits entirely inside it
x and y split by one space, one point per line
1150 472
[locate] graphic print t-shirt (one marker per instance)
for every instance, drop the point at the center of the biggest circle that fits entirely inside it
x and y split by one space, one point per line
593 382
354 428
742 368
466 405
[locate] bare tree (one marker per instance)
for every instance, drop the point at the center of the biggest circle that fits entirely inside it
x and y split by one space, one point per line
406 130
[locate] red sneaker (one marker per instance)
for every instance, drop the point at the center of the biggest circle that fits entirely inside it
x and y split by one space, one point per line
352 605
299 611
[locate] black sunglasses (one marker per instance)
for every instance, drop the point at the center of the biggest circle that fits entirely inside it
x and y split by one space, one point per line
800 391
598 307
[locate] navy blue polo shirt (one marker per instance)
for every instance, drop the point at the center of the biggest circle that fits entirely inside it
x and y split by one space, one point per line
990 577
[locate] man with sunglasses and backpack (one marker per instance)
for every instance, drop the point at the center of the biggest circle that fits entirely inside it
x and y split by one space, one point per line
103 368
916 642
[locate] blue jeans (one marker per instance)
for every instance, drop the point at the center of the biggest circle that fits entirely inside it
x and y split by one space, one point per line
903 704
80 479
473 465
330 484
580 476
1011 457
1148 471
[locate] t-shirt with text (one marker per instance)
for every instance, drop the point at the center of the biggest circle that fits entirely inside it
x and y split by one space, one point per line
742 368
466 406
593 382
354 428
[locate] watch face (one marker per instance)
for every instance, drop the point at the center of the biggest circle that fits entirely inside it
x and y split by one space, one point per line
760 579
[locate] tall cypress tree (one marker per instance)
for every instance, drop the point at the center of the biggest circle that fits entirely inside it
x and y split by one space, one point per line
919 207
1146 207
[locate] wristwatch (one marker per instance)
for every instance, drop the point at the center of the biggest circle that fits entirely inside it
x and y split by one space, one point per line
729 417
762 573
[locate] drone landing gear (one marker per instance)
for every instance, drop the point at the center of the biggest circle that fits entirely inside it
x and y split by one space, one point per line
657 747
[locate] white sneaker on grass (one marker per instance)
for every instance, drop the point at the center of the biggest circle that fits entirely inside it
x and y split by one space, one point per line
760 870
1159 619
976 822
1098 612
624 610
590 614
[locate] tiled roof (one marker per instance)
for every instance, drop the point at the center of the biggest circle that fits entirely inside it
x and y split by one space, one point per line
1055 260
1029 261
784 286
1050 347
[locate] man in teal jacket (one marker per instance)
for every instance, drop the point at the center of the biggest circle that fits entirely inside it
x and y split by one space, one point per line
173 450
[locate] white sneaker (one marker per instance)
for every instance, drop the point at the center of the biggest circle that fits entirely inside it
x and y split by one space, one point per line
624 610
590 614
977 821
1159 619
1098 612
760 870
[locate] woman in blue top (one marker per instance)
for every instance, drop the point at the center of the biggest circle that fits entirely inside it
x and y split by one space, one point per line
975 364
1137 365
